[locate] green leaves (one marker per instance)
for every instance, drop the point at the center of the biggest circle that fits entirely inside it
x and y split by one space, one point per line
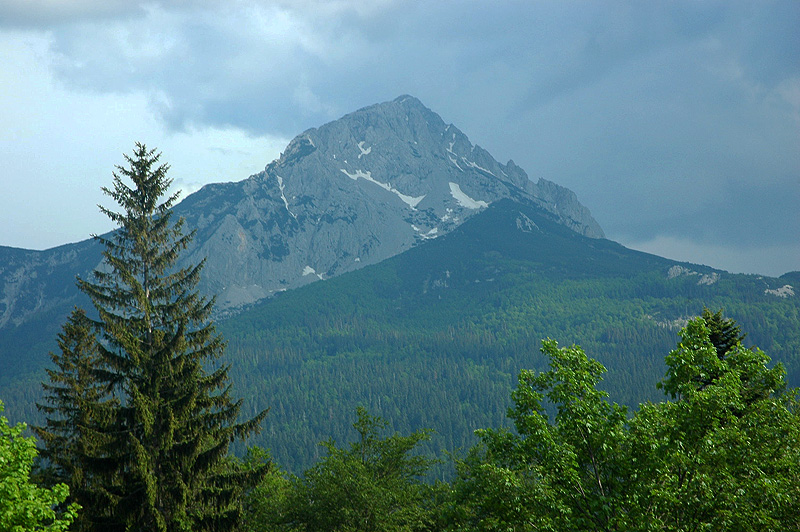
554 474
373 485
25 506
694 364
697 365
729 448
723 455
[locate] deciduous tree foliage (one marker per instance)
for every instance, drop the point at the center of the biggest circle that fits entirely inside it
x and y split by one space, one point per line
24 506
372 486
267 505
161 447
559 474
723 454
726 455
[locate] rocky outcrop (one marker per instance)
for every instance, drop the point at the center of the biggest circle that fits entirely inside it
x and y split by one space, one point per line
37 282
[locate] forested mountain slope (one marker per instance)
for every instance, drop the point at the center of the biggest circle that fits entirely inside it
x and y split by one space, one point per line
435 337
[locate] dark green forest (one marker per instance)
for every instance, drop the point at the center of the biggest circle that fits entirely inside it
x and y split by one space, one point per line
434 338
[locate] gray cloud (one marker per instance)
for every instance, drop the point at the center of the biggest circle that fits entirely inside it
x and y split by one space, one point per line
44 14
673 119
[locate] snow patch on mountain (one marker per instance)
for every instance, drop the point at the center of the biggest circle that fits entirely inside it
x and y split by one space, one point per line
452 160
426 235
451 154
308 270
367 176
477 167
363 151
463 199
283 196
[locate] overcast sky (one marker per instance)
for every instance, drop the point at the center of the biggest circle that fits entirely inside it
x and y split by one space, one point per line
676 123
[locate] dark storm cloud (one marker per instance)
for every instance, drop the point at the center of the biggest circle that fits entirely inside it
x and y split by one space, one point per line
677 119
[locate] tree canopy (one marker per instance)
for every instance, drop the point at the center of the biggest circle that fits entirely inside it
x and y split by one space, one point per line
373 485
723 454
25 506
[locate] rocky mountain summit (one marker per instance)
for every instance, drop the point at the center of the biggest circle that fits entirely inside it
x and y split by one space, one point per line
352 192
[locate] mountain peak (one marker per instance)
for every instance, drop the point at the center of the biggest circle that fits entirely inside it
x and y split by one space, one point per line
348 193
411 130
356 191
407 98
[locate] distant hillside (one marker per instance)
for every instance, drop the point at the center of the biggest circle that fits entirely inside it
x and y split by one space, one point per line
436 336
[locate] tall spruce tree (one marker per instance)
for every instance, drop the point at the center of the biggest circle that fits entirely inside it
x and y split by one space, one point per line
163 465
725 333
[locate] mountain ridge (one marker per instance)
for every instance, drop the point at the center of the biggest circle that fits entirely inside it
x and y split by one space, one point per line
351 192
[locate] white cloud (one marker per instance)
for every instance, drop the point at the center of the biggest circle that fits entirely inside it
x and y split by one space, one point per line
212 155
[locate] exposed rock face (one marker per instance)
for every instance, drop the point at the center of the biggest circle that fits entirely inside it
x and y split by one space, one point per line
786 290
703 278
36 282
350 193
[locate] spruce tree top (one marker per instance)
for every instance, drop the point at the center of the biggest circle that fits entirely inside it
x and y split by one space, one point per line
164 466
